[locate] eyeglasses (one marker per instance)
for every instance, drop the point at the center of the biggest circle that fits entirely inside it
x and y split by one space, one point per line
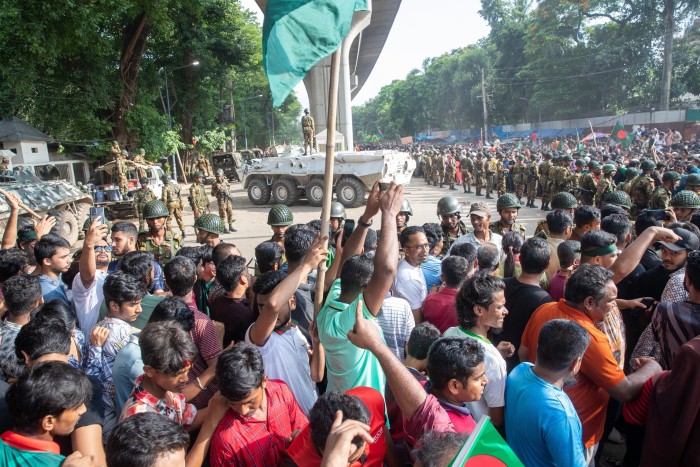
425 246
106 248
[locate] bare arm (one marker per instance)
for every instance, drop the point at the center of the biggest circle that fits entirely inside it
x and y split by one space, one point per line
524 354
356 240
387 256
216 410
9 237
497 415
88 441
88 264
332 271
630 387
631 256
317 363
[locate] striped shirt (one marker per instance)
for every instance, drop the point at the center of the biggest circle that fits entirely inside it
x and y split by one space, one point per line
396 320
675 290
674 324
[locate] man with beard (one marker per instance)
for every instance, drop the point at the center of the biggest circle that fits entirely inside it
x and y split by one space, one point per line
53 259
409 283
274 332
209 228
162 243
87 286
124 236
508 208
480 216
452 227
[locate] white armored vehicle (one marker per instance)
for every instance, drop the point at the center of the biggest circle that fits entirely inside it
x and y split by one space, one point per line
292 176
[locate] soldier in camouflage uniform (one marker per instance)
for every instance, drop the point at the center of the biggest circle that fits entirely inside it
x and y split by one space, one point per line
501 177
563 175
479 172
114 151
221 190
508 208
560 202
171 198
686 205
532 176
198 196
605 184
466 167
159 241
588 183
519 177
491 168
140 158
545 168
575 178
438 170
452 226
143 196
642 188
626 186
661 198
203 165
208 228
120 174
450 171
428 167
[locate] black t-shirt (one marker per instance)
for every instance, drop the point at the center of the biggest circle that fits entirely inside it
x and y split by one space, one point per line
303 314
5 421
627 287
650 259
236 316
94 415
651 283
521 301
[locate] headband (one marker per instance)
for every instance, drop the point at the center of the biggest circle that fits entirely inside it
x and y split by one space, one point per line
600 251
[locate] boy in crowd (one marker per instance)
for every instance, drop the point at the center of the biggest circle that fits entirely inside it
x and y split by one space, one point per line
233 309
53 258
22 296
439 307
569 254
147 439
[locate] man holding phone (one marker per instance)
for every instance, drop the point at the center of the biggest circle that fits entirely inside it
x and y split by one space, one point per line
87 286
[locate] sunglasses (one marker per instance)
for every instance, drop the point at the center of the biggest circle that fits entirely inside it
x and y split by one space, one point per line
106 248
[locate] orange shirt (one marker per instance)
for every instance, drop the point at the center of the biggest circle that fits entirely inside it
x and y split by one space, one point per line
599 369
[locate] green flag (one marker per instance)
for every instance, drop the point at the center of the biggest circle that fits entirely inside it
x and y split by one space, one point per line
620 135
299 33
485 448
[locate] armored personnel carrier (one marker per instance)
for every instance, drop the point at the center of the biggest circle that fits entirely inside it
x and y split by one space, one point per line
292 176
67 203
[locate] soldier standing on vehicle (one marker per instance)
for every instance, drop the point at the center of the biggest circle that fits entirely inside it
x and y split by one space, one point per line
309 129
115 150
466 166
163 243
140 158
198 196
5 165
448 210
143 196
171 198
221 190
120 174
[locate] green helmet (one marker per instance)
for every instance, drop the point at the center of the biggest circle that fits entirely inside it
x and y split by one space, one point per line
609 168
198 174
670 176
579 163
647 165
507 200
142 151
593 165
618 198
568 158
447 205
337 210
143 180
280 215
406 207
210 223
154 209
692 180
631 173
686 199
564 200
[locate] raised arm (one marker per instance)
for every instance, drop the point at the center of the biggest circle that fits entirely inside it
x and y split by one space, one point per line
387 257
9 237
631 256
88 264
356 240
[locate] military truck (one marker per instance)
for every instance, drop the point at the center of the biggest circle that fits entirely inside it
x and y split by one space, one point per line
293 176
106 193
231 163
67 203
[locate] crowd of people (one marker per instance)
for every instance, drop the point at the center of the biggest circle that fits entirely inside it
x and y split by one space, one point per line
139 351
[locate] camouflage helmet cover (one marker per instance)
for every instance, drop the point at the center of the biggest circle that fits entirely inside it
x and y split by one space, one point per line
671 175
692 180
609 168
507 200
564 200
618 198
280 215
686 199
154 209
210 223
647 165
198 174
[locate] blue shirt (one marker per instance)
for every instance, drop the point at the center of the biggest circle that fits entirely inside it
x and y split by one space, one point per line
542 425
127 367
158 278
53 289
431 271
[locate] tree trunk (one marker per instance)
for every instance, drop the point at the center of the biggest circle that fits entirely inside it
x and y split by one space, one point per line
134 43
669 26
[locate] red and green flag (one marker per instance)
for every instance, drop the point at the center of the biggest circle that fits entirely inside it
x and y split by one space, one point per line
620 135
297 34
485 448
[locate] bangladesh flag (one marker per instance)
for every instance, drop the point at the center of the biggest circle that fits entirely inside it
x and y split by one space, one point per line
620 135
485 448
297 34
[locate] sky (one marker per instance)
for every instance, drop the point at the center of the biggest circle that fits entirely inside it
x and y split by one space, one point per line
421 29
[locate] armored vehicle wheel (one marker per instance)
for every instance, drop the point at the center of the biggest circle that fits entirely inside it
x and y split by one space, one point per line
285 192
314 192
83 211
66 225
350 192
259 192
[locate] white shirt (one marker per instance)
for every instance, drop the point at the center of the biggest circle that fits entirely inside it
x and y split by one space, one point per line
87 301
495 391
471 238
286 358
409 284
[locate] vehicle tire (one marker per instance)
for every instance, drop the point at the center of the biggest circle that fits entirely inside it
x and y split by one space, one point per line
259 192
66 225
83 212
350 192
285 192
314 192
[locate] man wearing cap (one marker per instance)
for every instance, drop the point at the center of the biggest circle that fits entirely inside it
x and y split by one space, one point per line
141 197
480 217
198 196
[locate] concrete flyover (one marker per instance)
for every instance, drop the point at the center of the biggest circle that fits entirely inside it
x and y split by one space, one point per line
360 51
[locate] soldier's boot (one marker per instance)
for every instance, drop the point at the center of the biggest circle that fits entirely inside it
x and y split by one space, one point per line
547 208
434 183
522 203
488 196
440 184
230 227
465 189
478 192
543 206
183 233
469 190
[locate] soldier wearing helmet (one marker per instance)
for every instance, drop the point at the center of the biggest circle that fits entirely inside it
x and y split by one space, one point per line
661 198
685 205
630 175
198 196
163 243
279 218
141 197
171 198
692 183
337 219
203 165
221 190
448 210
403 216
5 165
508 208
563 201
209 227
618 198
642 188
466 167
605 184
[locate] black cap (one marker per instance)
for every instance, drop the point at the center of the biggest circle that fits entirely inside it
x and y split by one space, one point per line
688 241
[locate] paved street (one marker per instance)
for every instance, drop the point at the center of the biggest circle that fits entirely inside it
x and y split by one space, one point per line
251 221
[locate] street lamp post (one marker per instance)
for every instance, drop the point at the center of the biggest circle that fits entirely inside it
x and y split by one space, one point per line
167 101
245 126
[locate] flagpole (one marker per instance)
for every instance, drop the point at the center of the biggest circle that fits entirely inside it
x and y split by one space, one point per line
328 179
595 141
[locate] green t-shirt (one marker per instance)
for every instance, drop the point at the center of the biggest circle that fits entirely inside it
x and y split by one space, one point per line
348 366
148 303
10 455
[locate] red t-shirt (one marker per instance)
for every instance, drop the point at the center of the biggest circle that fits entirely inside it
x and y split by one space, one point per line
439 309
304 454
